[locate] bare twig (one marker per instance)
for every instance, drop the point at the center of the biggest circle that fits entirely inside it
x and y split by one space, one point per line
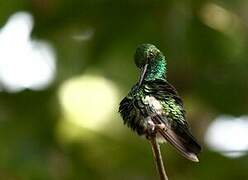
158 159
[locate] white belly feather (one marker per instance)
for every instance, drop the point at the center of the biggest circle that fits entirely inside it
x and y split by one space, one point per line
157 107
154 104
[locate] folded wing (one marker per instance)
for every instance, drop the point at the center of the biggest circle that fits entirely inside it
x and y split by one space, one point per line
176 131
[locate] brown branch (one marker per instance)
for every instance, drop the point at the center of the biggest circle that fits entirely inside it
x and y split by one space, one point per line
158 159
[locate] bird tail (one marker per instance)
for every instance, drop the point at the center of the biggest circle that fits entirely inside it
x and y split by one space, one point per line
183 142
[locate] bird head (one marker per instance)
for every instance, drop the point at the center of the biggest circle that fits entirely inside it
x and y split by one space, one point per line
145 54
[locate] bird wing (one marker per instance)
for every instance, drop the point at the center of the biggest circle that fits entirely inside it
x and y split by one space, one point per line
176 131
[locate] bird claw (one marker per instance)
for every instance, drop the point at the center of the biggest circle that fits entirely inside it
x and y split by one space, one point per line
152 129
161 126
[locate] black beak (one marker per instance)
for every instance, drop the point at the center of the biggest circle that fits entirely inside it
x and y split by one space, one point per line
142 74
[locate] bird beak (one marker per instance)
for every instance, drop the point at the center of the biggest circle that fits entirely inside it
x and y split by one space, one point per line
142 74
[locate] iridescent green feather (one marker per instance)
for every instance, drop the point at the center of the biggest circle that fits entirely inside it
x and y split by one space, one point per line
157 69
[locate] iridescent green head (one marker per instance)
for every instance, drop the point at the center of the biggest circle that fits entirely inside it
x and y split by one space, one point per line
145 53
151 62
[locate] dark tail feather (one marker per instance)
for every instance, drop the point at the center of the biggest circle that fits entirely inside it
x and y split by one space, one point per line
186 145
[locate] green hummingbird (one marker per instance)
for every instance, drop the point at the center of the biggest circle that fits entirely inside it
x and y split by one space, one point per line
153 107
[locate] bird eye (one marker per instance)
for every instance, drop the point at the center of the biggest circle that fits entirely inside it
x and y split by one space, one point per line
151 55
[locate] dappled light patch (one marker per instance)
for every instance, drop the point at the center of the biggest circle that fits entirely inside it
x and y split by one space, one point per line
228 135
87 101
219 18
24 62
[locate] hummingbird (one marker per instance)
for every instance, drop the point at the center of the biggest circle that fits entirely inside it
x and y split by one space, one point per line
153 107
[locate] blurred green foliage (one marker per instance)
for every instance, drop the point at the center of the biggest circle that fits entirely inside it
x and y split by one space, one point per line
208 66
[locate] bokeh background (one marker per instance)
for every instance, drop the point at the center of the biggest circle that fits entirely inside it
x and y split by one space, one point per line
65 65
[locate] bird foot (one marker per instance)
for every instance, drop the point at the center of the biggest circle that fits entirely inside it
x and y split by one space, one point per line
152 129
